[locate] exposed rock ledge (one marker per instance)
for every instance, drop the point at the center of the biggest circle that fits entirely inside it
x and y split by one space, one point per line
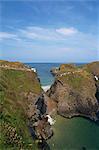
76 91
25 105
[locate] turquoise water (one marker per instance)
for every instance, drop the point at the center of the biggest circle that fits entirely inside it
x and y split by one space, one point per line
69 134
43 70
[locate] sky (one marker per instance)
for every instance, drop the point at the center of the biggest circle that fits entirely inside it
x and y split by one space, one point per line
49 30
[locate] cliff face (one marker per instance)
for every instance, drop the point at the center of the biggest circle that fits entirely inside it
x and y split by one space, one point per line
24 105
75 90
19 92
92 68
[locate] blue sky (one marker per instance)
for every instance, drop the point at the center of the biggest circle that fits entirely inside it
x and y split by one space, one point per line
49 31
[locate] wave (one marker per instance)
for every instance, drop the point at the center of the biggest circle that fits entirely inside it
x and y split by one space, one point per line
46 87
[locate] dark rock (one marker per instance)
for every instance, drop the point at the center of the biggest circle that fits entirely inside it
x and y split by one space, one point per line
43 129
22 105
76 93
41 106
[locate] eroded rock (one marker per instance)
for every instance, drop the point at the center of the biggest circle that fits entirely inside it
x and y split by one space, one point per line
75 90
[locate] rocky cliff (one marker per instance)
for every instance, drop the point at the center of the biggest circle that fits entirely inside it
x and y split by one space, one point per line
76 91
62 69
23 107
92 68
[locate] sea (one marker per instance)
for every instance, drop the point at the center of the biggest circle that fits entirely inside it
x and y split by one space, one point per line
69 134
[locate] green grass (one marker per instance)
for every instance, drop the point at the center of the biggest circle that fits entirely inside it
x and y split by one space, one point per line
20 80
76 80
13 107
11 64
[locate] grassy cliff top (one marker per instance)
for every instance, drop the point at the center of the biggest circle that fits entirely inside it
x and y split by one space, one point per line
25 81
64 67
12 64
76 79
92 68
15 86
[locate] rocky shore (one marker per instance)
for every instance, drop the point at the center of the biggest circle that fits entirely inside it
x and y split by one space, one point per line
27 111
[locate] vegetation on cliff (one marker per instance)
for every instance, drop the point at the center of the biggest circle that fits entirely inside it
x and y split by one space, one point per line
24 106
15 87
76 91
92 68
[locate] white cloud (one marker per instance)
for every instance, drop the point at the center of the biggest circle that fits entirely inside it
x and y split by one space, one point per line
43 44
38 33
28 34
69 37
47 33
67 31
5 35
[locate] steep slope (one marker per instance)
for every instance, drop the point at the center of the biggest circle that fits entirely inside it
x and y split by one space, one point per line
15 88
20 116
92 68
75 90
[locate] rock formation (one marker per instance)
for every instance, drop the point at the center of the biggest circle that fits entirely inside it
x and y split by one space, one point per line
92 68
75 91
26 109
23 107
62 69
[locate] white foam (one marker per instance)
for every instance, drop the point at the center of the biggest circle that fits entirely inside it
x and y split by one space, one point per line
45 88
50 120
34 69
96 78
